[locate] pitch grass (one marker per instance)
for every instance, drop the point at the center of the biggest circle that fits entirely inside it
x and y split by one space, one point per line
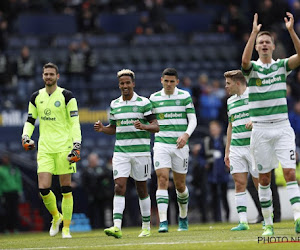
199 236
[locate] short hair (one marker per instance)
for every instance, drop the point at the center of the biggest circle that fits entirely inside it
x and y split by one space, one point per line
170 72
236 75
126 72
51 65
267 33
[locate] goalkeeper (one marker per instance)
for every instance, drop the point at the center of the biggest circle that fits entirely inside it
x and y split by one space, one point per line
59 144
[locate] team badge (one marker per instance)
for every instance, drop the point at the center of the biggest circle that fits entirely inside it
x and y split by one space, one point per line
259 167
258 82
115 172
156 163
135 109
177 102
246 101
274 67
161 116
57 104
260 69
231 168
47 112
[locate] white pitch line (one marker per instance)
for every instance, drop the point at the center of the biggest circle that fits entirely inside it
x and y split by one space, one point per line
137 244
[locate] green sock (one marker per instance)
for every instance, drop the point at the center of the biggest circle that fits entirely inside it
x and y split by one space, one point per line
67 208
50 203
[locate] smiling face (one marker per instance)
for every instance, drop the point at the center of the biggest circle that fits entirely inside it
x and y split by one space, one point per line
169 83
126 85
264 46
50 76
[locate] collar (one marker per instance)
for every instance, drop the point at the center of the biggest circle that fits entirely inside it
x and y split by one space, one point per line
245 93
133 98
259 62
174 93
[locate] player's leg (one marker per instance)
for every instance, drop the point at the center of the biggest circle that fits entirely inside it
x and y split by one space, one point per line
45 171
64 169
294 195
118 208
121 171
145 207
66 204
286 153
182 199
162 164
240 182
264 157
265 198
180 159
141 172
162 197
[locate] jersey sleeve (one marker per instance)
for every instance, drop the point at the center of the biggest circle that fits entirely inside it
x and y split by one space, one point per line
246 72
32 116
189 105
147 108
112 119
72 110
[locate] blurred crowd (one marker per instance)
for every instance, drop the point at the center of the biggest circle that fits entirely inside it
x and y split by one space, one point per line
208 178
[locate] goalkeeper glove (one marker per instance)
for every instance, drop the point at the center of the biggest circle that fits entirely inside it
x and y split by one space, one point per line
27 143
74 155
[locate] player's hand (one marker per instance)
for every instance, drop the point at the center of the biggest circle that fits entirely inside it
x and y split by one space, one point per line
74 155
27 143
289 23
249 125
256 27
182 140
138 125
226 160
98 126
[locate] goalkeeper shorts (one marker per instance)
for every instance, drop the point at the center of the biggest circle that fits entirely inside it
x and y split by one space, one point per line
55 163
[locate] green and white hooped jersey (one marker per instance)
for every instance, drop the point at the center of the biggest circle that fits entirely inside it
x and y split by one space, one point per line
267 90
171 113
129 140
238 115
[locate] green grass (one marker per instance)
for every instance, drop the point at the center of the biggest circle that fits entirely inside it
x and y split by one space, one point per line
199 236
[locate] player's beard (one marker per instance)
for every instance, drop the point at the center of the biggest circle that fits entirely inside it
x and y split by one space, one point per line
50 83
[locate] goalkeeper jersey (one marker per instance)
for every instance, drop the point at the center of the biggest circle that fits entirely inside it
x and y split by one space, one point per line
171 113
123 113
59 121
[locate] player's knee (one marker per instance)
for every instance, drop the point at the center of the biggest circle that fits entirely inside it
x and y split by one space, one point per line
240 187
289 174
163 181
44 191
264 181
120 189
180 187
66 189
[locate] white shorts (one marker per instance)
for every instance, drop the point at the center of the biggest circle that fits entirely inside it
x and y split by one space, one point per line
272 143
241 161
174 158
137 167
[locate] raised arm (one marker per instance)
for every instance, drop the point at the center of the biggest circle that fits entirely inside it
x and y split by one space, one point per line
247 54
294 60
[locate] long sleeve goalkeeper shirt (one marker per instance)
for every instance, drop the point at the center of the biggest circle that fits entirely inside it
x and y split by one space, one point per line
59 120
